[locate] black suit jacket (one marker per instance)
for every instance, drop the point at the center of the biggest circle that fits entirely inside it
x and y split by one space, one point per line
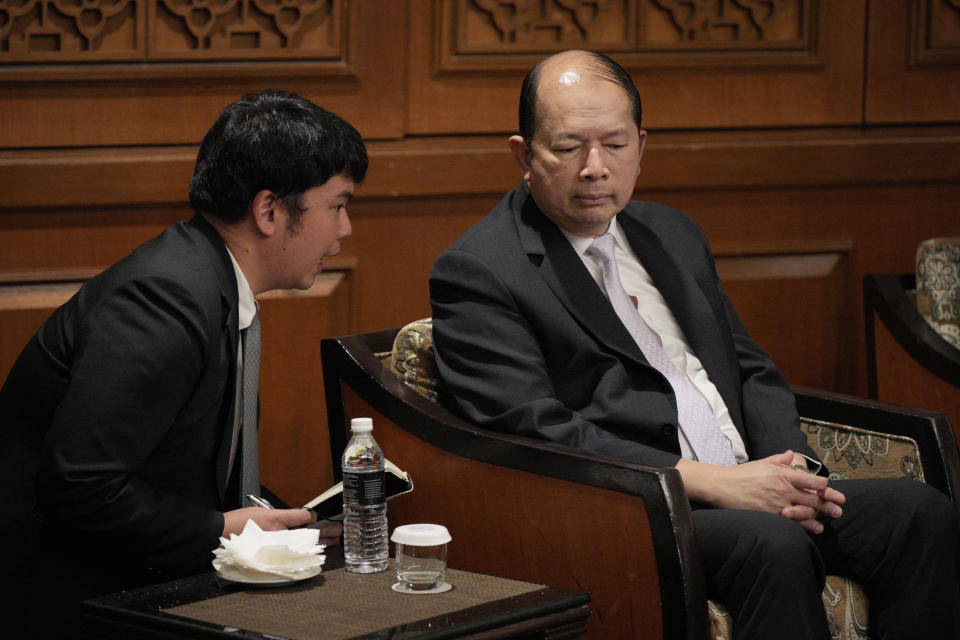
526 341
118 416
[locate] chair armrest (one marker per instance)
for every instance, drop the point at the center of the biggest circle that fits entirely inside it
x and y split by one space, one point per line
931 431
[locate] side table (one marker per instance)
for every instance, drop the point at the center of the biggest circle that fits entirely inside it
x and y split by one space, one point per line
337 605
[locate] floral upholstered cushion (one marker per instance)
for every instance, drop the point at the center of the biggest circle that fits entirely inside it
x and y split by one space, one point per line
412 358
938 286
844 600
848 451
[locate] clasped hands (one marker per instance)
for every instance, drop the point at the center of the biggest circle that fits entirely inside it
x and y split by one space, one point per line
770 484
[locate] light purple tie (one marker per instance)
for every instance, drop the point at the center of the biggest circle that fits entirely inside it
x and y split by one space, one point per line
695 417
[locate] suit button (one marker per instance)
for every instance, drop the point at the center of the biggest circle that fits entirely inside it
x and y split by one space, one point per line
668 430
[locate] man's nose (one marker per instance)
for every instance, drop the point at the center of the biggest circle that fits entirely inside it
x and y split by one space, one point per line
345 227
594 168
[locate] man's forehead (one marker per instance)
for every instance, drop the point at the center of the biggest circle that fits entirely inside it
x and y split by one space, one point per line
584 103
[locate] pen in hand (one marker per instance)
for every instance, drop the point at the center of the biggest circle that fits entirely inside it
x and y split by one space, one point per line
258 501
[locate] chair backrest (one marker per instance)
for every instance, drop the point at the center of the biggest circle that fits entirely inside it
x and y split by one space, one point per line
938 286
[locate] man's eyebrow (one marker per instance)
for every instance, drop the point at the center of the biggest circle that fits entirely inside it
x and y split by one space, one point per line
565 135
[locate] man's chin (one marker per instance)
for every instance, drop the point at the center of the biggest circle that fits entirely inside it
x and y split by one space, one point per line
306 283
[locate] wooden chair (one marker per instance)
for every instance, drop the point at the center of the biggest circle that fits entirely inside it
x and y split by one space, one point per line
538 511
908 362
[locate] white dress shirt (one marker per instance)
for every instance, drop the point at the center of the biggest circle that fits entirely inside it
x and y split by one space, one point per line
654 310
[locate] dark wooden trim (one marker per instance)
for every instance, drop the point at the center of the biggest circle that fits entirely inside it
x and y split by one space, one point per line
886 295
477 165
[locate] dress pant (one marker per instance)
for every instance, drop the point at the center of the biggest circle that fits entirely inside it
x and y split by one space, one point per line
898 539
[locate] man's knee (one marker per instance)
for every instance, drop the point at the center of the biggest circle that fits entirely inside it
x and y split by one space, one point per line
914 502
754 541
932 515
781 545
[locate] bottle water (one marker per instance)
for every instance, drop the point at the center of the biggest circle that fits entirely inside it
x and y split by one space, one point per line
365 545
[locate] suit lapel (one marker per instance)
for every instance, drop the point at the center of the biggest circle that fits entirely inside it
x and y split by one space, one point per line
223 268
690 307
563 271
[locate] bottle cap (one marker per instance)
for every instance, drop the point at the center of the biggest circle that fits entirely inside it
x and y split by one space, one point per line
361 425
421 535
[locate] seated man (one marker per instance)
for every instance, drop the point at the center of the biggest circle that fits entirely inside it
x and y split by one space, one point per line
574 314
129 438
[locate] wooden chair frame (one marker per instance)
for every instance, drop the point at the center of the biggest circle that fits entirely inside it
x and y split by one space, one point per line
476 482
886 296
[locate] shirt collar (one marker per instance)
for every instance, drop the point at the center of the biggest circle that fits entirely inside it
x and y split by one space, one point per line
580 244
246 302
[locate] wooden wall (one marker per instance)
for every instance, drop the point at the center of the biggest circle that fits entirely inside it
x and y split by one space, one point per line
814 141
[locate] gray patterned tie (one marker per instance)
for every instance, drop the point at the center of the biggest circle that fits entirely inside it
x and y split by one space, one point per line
695 417
249 463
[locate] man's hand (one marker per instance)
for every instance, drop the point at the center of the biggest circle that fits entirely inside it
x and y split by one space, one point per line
805 515
266 519
770 485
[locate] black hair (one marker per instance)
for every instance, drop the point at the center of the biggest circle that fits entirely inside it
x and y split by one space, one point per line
272 140
602 65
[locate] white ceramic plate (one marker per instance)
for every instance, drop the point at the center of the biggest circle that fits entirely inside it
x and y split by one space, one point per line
231 573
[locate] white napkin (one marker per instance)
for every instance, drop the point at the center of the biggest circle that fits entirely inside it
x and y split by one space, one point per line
258 553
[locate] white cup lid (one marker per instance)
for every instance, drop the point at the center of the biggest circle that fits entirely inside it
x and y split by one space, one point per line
421 535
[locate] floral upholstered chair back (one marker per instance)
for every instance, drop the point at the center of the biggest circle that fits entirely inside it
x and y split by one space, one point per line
849 451
938 286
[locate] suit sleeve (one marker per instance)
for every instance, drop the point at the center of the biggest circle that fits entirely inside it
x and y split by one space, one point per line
491 362
138 355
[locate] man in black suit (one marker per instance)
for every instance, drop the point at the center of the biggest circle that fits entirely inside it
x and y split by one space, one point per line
121 419
574 314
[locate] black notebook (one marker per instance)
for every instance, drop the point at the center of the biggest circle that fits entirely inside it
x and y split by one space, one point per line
329 504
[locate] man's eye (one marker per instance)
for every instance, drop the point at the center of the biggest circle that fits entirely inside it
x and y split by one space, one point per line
616 146
566 149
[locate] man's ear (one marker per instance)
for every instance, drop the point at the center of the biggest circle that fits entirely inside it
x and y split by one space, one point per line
643 142
263 212
521 153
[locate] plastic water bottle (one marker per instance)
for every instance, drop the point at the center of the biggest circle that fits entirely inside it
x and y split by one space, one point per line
365 542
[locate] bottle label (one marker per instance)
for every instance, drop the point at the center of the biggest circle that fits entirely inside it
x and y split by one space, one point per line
364 488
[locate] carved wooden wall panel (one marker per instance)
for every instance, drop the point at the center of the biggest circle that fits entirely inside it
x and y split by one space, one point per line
525 26
913 61
35 31
246 29
734 25
72 30
756 63
159 71
525 30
